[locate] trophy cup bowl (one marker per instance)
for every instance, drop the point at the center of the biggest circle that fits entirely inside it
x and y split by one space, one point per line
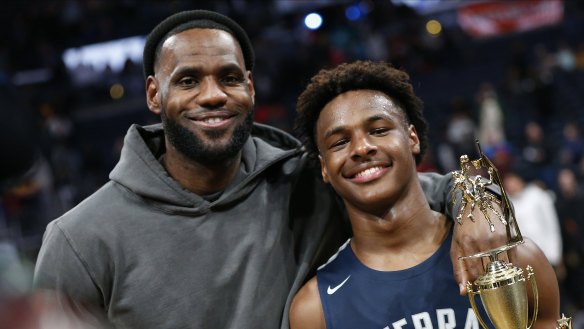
503 292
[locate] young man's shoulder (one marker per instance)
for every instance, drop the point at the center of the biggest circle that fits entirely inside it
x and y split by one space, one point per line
306 308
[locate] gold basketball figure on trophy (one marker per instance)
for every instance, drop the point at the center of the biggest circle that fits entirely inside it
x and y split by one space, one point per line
474 191
502 287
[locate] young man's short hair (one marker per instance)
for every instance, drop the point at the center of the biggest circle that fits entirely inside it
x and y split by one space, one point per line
359 75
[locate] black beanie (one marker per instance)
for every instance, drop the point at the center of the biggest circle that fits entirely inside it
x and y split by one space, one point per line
177 19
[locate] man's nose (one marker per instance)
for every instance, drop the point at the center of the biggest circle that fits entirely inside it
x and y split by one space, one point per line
363 148
211 94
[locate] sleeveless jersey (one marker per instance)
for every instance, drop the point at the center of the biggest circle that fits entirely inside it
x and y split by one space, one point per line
425 296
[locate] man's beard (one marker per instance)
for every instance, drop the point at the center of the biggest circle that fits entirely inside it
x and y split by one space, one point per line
189 144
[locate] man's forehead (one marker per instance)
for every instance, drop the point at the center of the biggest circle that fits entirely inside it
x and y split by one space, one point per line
201 44
201 37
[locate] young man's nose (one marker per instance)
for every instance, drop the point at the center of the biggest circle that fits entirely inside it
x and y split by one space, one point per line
211 94
362 148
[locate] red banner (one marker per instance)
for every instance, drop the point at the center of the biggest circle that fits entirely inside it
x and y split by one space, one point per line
491 18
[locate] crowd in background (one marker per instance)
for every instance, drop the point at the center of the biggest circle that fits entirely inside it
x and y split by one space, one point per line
521 95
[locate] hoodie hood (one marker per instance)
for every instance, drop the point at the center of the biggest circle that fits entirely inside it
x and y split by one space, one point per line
140 171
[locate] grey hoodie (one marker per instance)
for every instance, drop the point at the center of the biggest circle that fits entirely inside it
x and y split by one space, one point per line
143 252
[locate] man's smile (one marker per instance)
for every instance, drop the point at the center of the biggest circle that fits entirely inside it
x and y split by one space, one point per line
212 119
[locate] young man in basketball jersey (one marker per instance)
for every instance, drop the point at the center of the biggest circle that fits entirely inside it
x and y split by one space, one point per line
366 126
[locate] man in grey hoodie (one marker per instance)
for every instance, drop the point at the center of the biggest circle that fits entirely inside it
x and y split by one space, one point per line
209 220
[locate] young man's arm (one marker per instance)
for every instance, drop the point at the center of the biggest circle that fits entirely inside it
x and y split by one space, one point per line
547 285
469 238
306 309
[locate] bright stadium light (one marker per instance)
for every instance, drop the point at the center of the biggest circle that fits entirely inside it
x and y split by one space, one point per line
313 21
353 13
433 27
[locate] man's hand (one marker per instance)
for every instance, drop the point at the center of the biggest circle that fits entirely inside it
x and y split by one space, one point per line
472 238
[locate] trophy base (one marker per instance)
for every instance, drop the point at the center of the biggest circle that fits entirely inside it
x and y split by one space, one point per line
493 253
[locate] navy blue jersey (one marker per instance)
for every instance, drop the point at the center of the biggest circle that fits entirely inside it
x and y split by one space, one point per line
425 296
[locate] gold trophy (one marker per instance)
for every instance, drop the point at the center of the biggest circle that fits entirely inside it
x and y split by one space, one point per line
502 287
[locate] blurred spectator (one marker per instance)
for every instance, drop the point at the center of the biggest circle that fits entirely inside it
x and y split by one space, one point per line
543 77
571 215
460 130
536 215
536 155
29 206
492 128
571 147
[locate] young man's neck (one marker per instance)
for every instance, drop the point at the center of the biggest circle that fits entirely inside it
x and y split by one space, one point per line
197 177
405 235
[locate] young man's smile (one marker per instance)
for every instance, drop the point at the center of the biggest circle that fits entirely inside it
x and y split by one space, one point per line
368 172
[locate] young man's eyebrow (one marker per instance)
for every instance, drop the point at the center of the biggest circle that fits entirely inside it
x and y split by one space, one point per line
335 130
378 117
370 119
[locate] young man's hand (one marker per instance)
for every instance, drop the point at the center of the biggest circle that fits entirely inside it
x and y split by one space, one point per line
472 238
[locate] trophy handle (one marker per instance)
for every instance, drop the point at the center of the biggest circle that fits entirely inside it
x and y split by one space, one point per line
531 277
471 297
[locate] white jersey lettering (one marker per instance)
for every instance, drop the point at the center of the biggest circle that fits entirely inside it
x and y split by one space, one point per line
471 320
422 317
446 318
399 324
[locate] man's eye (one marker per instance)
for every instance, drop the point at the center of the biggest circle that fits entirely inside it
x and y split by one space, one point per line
231 79
187 81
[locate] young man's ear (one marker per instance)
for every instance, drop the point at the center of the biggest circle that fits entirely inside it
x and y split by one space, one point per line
153 95
414 140
323 170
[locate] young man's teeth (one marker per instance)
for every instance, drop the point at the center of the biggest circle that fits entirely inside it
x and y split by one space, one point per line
212 120
368 171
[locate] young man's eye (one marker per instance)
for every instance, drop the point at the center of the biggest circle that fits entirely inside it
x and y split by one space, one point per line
339 143
379 131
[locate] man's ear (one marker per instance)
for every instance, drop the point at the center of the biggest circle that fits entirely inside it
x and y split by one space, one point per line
323 170
251 86
414 140
153 95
